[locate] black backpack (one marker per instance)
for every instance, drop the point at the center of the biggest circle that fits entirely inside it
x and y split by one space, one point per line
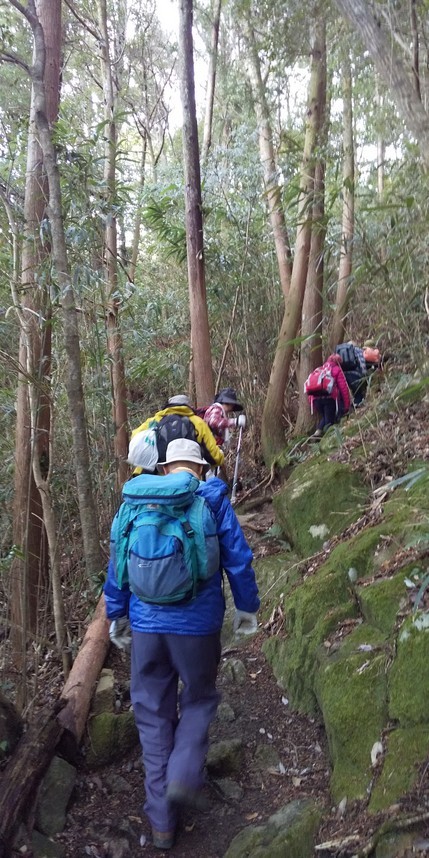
173 426
348 354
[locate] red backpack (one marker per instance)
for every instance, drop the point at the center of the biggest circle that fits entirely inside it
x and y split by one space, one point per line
321 382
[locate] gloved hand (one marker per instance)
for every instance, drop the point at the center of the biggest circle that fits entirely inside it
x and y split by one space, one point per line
120 633
241 421
244 623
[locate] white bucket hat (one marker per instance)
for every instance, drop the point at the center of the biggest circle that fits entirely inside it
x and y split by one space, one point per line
183 450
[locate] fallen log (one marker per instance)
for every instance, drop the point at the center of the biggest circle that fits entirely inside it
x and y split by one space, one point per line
22 775
24 771
82 680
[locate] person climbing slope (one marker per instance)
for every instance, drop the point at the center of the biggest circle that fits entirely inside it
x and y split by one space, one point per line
328 392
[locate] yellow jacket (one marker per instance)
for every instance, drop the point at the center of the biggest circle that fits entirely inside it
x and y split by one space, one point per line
211 452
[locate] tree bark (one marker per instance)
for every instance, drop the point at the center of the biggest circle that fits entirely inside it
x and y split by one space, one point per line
312 308
272 187
87 665
339 322
114 336
200 333
29 573
211 83
22 775
391 68
272 435
91 542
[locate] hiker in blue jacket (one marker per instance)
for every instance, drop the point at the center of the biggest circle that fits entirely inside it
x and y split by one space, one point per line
180 641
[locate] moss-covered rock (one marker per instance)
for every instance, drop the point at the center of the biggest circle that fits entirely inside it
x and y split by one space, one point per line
406 749
276 575
352 694
381 601
289 832
225 757
320 499
110 737
294 659
409 673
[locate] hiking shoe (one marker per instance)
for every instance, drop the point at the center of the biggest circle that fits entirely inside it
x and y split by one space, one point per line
163 839
316 435
183 796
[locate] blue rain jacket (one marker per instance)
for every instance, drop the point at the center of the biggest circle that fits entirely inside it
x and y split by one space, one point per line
204 615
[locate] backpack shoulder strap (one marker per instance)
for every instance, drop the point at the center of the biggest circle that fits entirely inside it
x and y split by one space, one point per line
124 523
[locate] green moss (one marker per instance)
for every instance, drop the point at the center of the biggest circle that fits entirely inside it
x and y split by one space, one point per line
409 673
352 696
290 832
362 635
294 662
110 736
276 575
406 749
380 601
320 499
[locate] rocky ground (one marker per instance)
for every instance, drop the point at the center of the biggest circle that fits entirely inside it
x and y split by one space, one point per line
284 753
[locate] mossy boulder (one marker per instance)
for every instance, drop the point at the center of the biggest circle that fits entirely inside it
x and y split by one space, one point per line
409 673
320 499
381 600
110 737
352 694
289 832
407 748
276 575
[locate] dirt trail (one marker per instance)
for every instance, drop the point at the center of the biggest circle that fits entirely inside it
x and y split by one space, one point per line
284 759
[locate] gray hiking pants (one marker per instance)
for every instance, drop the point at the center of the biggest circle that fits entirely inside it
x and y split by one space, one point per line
173 727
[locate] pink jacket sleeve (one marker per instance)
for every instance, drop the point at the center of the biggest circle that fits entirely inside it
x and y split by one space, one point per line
342 387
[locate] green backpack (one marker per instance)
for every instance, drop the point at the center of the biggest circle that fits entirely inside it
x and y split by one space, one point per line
165 538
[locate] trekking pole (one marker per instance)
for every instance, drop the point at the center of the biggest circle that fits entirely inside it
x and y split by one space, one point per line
237 462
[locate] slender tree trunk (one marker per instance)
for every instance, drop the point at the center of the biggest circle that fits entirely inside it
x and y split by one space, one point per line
339 321
272 187
91 542
29 569
114 337
200 334
272 436
138 220
211 82
312 308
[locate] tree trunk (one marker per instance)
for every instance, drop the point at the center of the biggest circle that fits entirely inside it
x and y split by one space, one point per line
91 542
114 337
200 333
272 187
29 573
138 220
21 778
390 67
312 308
87 665
272 436
211 83
339 321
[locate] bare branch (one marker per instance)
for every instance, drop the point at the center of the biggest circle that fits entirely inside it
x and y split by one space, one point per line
6 57
84 23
